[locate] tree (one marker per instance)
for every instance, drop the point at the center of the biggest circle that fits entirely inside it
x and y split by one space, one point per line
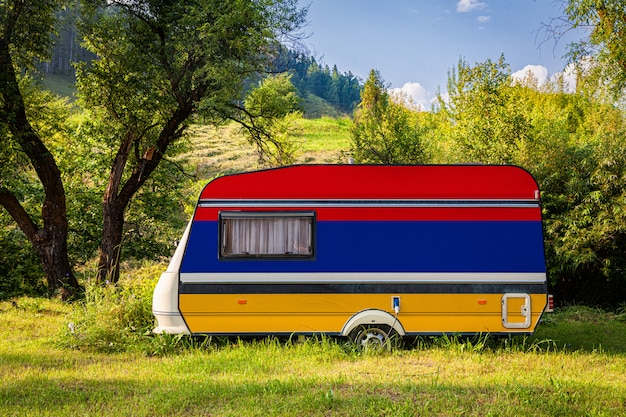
489 126
583 189
574 146
271 107
159 63
384 131
605 47
25 29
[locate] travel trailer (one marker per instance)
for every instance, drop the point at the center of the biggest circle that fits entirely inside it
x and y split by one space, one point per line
362 251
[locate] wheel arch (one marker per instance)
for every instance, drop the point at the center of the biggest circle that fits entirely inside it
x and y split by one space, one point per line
372 317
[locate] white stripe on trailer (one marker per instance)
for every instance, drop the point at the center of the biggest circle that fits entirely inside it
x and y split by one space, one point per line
360 277
504 203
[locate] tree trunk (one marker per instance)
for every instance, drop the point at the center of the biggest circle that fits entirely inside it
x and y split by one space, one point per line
113 207
53 255
111 245
50 240
118 195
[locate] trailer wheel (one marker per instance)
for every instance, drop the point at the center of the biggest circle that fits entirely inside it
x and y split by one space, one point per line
373 337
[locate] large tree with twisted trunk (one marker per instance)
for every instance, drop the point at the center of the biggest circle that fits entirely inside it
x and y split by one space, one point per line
25 29
160 62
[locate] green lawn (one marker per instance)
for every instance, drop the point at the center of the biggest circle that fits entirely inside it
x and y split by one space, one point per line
315 377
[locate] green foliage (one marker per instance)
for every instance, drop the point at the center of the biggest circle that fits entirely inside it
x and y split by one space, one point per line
114 317
272 108
578 158
20 269
274 97
25 31
25 27
574 146
158 65
489 124
385 132
156 217
604 49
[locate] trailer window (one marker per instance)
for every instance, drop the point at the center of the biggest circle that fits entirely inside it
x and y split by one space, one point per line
277 235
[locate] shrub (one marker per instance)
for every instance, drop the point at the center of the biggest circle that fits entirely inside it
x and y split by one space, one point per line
114 317
18 278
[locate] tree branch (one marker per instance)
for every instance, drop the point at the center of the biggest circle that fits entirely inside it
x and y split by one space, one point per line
17 212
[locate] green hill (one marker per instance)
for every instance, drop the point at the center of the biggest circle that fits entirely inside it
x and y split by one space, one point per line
63 85
225 150
315 107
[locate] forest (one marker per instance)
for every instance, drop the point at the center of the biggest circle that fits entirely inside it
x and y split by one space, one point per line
107 177
309 75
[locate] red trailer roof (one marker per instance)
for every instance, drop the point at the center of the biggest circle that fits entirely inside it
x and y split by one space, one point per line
321 182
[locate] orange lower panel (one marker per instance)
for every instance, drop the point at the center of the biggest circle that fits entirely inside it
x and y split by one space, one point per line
328 313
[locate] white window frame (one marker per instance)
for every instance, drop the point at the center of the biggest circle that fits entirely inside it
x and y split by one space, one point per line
284 234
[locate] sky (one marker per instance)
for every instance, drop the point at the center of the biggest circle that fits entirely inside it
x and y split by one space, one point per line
414 43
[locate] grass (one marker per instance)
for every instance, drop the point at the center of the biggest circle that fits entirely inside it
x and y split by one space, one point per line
313 377
225 150
585 329
316 107
323 140
61 84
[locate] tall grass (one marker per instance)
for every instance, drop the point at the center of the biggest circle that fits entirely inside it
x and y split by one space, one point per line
114 317
295 377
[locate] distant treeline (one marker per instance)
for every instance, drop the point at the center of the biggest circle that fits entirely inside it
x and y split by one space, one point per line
66 48
340 90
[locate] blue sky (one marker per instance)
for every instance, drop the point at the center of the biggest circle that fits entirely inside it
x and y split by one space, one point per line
414 43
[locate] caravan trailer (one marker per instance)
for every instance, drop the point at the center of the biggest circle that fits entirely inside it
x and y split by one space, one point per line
360 251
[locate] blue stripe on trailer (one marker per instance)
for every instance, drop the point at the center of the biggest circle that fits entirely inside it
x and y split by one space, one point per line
390 246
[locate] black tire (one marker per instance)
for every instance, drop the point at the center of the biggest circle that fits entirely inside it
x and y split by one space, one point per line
374 337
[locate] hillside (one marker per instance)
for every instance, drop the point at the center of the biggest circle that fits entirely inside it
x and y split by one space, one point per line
63 85
225 150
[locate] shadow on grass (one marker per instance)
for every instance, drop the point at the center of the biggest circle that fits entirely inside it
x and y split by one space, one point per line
585 329
184 394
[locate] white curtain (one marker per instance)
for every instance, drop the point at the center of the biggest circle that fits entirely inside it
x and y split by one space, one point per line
267 236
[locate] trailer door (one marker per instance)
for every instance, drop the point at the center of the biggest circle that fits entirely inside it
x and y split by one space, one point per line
516 311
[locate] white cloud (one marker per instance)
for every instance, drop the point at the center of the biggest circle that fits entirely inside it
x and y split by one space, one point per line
466 6
537 76
537 73
412 94
567 78
483 19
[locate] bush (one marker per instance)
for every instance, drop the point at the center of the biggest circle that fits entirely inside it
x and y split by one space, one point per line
114 317
18 278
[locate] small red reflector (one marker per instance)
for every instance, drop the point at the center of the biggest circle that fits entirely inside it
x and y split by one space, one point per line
242 301
482 302
550 302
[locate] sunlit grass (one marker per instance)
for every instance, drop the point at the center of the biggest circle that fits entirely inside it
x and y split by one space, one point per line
225 149
309 377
